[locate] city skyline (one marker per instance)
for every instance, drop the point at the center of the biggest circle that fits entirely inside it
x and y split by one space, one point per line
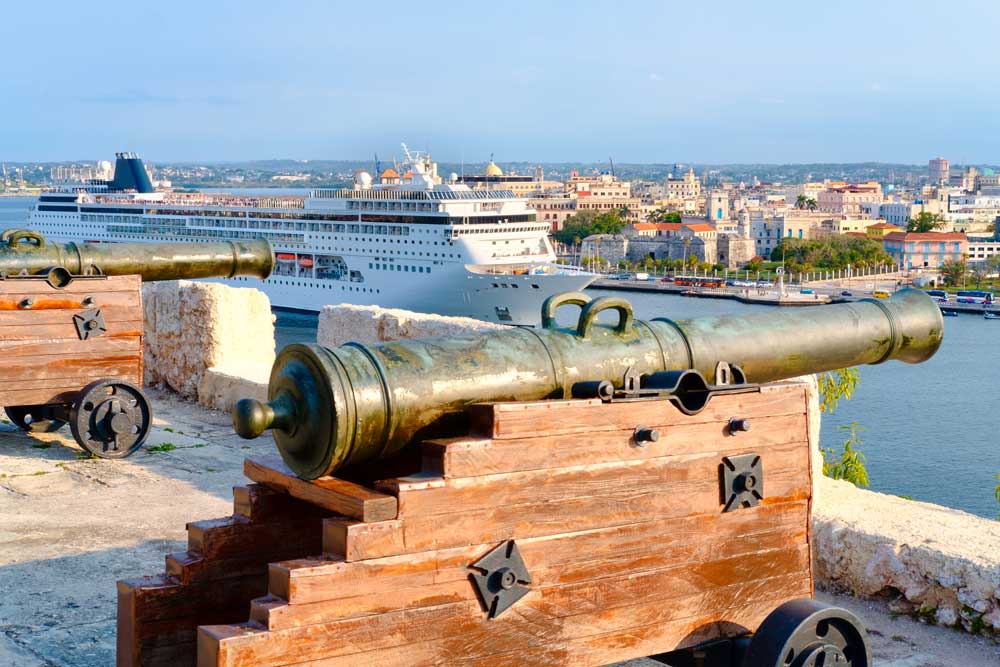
644 83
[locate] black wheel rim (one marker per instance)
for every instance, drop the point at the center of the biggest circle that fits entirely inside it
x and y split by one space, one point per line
34 418
111 419
807 633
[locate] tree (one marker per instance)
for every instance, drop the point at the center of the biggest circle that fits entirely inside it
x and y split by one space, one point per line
800 201
925 222
954 271
754 265
993 264
850 467
663 215
811 204
978 273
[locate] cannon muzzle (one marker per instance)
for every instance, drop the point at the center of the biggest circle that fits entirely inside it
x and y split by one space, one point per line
24 252
331 408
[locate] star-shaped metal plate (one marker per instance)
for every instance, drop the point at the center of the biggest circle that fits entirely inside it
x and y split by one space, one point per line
501 578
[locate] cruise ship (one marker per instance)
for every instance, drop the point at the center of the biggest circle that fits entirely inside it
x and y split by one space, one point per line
410 240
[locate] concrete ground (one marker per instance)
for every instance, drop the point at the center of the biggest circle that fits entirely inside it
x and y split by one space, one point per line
71 526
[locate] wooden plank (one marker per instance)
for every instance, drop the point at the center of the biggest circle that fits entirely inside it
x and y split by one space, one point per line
41 396
611 607
428 589
66 330
260 503
235 537
355 540
613 509
16 318
79 286
71 368
554 556
538 418
346 498
469 457
425 495
158 617
12 301
63 346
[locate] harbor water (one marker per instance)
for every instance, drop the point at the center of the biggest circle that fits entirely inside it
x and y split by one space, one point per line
930 430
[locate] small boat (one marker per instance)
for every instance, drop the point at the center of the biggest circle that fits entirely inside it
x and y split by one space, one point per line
949 313
991 316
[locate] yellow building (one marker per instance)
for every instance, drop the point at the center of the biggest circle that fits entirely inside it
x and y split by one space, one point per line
880 229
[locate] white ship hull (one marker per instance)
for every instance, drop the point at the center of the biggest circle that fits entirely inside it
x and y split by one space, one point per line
416 245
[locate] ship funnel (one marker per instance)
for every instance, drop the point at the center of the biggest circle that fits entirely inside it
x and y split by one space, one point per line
130 174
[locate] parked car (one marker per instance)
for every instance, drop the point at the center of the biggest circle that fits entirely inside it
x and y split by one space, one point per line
847 293
668 279
806 290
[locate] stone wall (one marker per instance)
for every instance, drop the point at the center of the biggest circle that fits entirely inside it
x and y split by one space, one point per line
343 323
192 327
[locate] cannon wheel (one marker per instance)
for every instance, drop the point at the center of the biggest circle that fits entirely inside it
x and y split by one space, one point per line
807 633
111 418
34 418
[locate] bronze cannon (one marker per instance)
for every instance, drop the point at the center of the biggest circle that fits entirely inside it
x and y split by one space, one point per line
329 408
71 329
28 253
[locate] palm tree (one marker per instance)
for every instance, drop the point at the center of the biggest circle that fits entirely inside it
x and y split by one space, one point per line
811 204
800 201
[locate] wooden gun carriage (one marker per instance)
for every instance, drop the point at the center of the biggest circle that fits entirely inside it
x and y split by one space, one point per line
446 503
72 353
71 329
567 532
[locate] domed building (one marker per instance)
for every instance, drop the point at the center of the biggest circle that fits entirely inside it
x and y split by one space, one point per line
494 178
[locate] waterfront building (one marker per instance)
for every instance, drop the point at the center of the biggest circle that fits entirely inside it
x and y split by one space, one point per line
926 250
522 185
938 170
844 226
685 188
981 250
717 205
881 228
807 190
554 208
610 247
603 193
846 200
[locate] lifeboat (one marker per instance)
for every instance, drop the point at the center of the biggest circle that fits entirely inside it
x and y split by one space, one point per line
285 257
305 262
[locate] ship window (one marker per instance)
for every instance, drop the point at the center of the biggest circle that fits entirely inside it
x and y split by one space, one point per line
515 285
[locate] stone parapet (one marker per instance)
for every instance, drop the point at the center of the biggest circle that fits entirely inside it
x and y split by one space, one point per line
344 323
939 563
193 326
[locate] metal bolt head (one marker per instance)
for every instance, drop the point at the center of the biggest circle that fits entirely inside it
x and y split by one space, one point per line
644 434
738 424
746 482
506 578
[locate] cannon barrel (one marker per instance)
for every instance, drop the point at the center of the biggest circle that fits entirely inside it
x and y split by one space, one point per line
329 408
24 252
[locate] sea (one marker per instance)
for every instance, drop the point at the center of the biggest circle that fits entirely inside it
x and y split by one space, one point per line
929 431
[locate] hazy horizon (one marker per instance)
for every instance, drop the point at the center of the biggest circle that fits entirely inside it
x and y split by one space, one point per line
645 82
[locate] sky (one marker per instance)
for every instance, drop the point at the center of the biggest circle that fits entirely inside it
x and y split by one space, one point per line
702 82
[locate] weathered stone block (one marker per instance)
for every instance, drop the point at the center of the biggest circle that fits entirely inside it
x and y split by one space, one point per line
193 326
343 323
